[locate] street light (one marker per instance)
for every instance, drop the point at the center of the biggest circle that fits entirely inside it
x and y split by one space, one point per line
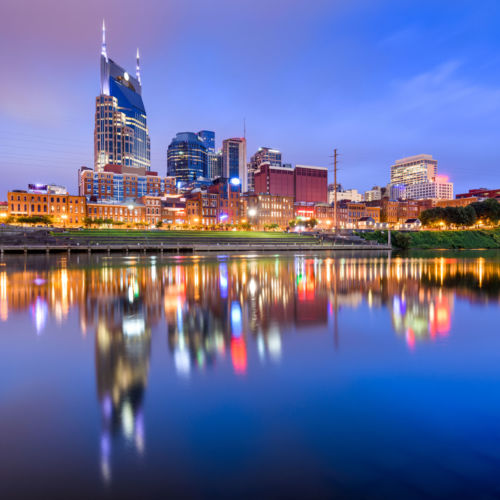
252 212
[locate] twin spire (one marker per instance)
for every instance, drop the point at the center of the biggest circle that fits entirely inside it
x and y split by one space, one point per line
105 54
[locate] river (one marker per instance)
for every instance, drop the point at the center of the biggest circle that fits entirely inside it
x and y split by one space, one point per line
250 376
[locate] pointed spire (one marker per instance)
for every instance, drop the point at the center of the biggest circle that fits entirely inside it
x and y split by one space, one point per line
103 46
138 68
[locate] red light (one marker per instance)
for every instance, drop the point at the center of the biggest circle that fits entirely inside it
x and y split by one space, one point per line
239 355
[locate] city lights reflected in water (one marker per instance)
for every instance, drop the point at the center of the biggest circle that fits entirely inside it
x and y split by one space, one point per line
232 316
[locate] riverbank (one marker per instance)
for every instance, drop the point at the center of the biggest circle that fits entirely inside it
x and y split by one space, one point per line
186 242
467 239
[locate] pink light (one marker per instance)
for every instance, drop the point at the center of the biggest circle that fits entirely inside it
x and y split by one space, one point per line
441 179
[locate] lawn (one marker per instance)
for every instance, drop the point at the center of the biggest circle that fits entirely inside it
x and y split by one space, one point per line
142 234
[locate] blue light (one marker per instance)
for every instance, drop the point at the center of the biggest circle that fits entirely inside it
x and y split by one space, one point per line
223 280
235 181
236 319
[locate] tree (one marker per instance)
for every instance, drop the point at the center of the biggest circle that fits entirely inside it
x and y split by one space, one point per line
401 240
159 224
35 219
293 224
311 223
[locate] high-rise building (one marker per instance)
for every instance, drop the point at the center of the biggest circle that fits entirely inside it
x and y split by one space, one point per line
413 169
121 135
263 155
419 177
207 137
187 157
234 158
214 165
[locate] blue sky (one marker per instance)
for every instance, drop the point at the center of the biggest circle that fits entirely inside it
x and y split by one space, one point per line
377 79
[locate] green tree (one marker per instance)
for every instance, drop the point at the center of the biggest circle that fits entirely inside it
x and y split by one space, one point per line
400 240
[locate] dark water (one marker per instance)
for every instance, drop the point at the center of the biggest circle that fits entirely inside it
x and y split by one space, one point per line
306 376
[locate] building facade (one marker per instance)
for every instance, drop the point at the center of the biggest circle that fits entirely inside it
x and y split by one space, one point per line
266 155
480 193
64 209
437 189
261 210
273 180
311 184
234 154
187 158
413 170
119 183
121 134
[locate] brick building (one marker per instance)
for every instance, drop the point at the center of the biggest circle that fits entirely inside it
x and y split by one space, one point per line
311 184
120 183
261 210
64 209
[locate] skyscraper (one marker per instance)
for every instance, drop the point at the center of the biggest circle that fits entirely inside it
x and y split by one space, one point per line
214 165
234 158
208 139
263 155
214 159
121 135
187 157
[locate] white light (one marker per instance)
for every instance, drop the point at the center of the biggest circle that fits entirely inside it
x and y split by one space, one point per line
252 212
235 181
125 75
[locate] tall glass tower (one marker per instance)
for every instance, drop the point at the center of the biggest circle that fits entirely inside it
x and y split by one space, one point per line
187 157
121 135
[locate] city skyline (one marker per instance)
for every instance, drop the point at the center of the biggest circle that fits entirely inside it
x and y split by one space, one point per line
442 102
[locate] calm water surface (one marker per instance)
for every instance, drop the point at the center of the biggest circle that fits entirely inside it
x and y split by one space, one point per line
304 376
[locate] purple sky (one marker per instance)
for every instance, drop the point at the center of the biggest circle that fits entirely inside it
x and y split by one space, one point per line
378 79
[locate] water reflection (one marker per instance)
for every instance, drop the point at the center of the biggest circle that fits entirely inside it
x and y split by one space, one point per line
226 309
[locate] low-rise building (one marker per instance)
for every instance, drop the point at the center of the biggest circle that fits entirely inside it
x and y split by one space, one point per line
129 214
480 193
64 209
261 210
120 183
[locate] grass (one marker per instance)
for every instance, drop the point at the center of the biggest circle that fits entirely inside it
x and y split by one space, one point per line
144 234
468 239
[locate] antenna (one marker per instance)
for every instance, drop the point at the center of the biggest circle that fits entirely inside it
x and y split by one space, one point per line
138 68
103 45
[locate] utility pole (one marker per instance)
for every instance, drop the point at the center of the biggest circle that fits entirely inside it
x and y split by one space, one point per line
335 219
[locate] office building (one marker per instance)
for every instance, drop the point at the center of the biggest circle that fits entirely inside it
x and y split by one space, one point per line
187 157
413 170
214 165
264 155
207 137
375 193
311 184
345 194
437 189
234 166
121 135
